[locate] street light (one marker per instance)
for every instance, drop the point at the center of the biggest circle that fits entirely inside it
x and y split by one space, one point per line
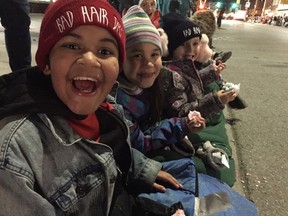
218 5
234 6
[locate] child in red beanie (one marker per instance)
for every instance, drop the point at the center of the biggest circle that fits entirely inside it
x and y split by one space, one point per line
65 149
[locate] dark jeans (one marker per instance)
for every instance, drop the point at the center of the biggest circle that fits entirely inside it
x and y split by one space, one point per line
219 20
16 21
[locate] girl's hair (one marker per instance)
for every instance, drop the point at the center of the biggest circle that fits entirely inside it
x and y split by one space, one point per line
157 100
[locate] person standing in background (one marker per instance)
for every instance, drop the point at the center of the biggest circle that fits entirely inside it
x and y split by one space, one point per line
150 8
16 21
220 16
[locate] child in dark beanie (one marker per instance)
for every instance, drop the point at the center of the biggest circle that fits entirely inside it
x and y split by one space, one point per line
185 91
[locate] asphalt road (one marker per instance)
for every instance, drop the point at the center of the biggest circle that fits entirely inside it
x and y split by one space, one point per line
260 63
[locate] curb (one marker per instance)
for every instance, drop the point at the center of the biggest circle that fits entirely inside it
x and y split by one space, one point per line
238 186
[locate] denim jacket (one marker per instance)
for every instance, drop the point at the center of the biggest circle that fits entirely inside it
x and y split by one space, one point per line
47 169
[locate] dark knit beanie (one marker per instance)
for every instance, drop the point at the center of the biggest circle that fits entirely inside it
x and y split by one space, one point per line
179 29
63 16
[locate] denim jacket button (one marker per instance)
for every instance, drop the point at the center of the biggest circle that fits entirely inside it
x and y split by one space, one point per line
113 179
80 190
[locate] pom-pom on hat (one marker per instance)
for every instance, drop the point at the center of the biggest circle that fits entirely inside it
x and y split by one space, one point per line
139 28
63 16
179 29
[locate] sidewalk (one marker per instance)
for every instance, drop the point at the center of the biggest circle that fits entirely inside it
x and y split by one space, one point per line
238 186
34 30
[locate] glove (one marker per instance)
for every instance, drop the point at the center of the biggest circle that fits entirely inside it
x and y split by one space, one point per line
212 156
185 148
237 103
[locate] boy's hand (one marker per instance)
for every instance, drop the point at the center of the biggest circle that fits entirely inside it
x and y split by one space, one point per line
195 121
196 126
165 178
220 67
226 96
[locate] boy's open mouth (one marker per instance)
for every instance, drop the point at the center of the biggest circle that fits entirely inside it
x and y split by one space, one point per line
147 74
85 85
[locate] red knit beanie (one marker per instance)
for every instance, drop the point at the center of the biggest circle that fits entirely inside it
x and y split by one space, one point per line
63 16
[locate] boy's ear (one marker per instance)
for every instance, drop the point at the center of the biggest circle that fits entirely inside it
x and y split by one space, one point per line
47 71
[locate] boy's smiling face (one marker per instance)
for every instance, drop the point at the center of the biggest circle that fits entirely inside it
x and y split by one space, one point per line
83 67
143 64
189 50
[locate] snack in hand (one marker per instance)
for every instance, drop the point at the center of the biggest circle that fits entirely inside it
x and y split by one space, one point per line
228 86
193 115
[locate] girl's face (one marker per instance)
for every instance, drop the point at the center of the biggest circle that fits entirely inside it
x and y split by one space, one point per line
83 67
143 64
188 50
149 6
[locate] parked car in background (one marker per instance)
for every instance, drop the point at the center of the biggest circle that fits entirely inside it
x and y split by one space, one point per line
240 15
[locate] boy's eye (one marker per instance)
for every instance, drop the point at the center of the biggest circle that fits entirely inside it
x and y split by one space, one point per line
104 52
155 55
71 46
137 56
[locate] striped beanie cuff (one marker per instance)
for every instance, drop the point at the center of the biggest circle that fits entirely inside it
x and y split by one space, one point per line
139 28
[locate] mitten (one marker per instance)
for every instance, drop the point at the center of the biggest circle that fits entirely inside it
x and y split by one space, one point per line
212 156
185 148
237 103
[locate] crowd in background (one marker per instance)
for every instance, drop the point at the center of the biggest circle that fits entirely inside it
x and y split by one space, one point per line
276 20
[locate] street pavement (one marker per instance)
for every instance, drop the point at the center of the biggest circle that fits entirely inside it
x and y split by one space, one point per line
34 30
259 62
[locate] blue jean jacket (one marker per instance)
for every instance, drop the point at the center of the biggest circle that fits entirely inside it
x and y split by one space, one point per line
46 169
